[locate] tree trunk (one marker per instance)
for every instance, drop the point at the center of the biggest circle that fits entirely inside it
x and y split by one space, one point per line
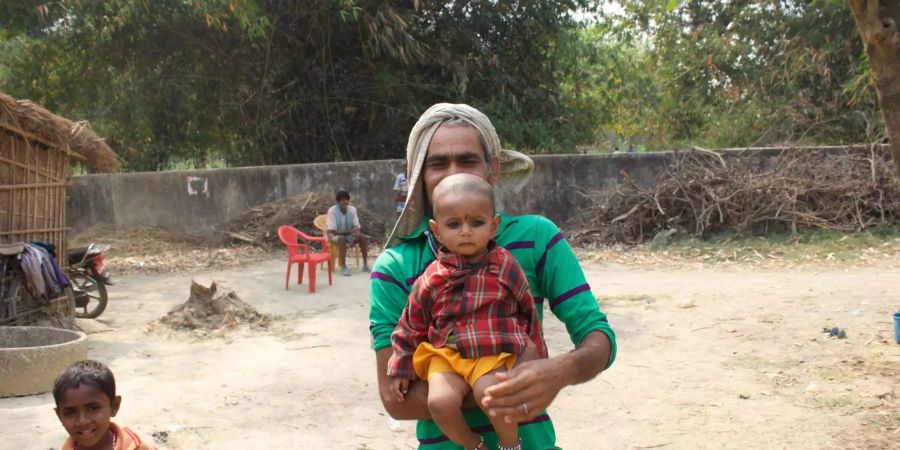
877 24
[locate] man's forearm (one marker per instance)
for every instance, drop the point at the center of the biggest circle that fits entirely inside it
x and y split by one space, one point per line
587 361
415 404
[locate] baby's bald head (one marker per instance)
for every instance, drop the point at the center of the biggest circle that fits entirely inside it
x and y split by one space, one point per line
464 187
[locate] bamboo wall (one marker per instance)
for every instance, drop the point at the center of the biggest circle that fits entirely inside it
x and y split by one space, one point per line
32 191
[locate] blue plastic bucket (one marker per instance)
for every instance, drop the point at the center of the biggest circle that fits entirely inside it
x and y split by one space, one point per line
897 327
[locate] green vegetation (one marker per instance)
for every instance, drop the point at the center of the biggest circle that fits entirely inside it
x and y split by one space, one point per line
813 245
193 83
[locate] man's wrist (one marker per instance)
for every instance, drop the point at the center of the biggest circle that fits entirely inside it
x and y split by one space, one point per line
586 361
566 369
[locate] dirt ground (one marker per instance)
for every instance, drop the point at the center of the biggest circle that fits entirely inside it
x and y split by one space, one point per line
708 358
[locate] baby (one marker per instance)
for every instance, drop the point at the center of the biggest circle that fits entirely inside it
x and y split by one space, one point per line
469 315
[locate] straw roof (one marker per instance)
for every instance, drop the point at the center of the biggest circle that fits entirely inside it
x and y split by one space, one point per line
33 122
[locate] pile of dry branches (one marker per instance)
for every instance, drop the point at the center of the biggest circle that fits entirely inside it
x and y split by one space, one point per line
701 191
259 225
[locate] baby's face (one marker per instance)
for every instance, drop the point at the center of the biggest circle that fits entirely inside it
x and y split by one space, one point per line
465 224
85 413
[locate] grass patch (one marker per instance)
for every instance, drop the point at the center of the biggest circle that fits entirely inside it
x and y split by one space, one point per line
809 245
839 372
885 421
639 299
762 365
842 402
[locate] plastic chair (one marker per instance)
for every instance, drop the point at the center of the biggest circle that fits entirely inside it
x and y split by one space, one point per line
333 248
302 254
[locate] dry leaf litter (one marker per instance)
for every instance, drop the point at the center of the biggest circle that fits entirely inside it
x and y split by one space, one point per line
249 237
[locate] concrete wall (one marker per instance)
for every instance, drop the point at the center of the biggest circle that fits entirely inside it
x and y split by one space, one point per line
193 201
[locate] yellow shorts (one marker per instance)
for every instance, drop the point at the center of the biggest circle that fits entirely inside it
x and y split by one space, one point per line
428 360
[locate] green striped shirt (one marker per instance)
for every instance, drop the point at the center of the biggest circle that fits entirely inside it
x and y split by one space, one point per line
554 276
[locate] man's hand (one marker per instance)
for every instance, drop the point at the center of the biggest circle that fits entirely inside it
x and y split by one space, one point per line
414 404
399 387
530 387
526 390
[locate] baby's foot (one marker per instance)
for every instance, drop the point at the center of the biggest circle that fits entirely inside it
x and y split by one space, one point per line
517 446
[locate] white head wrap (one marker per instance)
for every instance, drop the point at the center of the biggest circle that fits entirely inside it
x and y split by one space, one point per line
515 168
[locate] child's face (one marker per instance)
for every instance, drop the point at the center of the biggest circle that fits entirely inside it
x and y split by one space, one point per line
465 224
85 413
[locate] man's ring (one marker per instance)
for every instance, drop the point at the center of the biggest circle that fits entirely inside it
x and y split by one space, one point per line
525 407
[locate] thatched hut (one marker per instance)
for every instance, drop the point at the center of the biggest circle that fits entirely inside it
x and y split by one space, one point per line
37 149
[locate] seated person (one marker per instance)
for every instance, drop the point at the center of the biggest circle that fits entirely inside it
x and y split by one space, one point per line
342 224
85 395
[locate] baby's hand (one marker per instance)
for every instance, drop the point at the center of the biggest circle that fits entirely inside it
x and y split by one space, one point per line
399 387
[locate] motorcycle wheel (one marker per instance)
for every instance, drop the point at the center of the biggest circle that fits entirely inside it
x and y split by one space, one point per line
95 291
70 295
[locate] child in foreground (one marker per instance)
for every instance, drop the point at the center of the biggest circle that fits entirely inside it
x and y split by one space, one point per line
469 315
85 395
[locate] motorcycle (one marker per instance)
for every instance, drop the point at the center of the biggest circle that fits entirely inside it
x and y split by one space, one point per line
89 279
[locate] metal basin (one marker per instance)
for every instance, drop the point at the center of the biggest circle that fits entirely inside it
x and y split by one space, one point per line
32 357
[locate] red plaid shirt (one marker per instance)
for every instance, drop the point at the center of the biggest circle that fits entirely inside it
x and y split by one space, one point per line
480 309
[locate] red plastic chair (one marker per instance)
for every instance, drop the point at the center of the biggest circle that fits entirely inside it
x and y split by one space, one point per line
302 254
